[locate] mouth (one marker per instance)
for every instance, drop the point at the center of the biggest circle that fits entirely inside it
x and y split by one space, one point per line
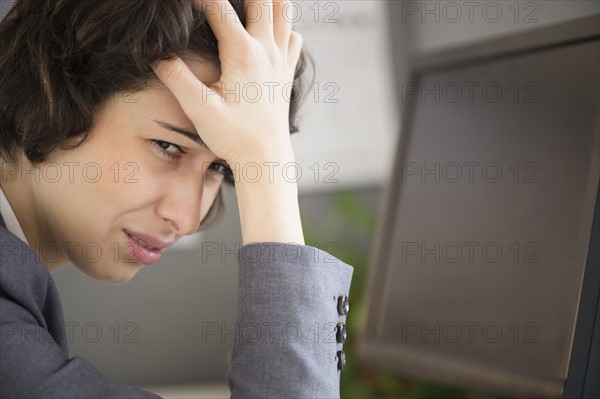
142 242
144 248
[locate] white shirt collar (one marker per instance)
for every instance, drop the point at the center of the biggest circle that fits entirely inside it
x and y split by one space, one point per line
10 219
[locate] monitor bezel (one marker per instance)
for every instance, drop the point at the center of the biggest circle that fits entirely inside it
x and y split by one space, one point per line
465 374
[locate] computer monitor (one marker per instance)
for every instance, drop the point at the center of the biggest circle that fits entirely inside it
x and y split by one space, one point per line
485 273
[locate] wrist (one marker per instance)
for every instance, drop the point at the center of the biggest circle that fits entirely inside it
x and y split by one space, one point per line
279 169
267 193
269 211
276 151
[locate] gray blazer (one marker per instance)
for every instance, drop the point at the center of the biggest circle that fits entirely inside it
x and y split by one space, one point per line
291 296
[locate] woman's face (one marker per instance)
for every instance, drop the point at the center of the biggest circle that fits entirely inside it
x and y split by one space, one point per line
132 175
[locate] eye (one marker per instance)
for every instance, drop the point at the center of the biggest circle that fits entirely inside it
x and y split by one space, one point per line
169 150
222 169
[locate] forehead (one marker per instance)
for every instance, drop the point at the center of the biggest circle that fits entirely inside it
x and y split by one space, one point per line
156 100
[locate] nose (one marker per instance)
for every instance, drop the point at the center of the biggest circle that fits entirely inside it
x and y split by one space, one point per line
181 202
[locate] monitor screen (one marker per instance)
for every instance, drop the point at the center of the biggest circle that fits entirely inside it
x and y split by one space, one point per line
481 254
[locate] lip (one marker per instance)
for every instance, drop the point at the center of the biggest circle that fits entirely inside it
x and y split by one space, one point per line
151 240
142 254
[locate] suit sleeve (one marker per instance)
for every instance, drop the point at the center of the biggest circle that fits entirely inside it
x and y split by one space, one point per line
32 364
286 344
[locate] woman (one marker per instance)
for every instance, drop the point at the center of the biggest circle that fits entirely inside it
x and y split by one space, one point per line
119 121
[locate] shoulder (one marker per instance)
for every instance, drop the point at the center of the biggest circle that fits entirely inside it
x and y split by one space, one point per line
22 274
26 283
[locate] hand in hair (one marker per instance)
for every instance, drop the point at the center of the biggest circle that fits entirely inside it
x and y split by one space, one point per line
243 116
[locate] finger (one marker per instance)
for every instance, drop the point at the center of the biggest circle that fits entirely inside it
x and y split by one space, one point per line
259 18
282 25
295 48
223 20
190 92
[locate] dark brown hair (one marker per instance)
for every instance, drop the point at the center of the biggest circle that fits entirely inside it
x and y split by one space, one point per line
61 59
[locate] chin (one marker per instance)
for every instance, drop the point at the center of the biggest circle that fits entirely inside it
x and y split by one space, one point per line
115 273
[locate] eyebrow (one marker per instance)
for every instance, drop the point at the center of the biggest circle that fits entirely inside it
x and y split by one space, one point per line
192 135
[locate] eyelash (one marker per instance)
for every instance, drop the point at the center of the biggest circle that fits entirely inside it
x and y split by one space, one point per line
224 169
159 145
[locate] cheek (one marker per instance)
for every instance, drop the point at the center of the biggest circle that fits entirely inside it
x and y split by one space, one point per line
85 210
94 189
209 196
